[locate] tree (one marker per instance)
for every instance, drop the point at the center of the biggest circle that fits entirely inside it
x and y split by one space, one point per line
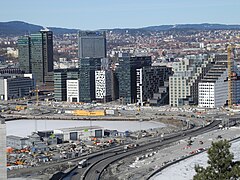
220 164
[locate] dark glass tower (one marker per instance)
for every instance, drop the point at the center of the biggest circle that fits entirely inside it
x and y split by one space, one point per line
37 58
127 78
60 82
36 55
24 54
92 44
87 68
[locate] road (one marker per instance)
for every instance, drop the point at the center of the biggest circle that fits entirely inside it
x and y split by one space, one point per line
97 167
29 171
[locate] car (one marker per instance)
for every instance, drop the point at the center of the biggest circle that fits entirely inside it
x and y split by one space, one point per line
82 163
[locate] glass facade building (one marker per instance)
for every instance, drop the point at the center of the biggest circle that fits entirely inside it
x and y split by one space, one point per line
60 82
127 76
36 55
92 44
152 85
24 54
87 68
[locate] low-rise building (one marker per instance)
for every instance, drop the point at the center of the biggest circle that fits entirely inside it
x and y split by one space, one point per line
16 142
15 87
80 133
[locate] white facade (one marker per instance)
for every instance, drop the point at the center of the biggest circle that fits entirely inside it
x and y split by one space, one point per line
103 84
80 133
206 95
213 90
73 90
139 87
3 156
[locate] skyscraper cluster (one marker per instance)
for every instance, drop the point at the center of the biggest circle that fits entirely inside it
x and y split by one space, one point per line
99 81
194 79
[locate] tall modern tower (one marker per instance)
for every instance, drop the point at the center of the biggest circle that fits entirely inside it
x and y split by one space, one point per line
92 44
87 68
3 157
36 55
127 76
24 54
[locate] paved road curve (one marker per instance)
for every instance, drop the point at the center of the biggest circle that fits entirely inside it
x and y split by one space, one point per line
95 169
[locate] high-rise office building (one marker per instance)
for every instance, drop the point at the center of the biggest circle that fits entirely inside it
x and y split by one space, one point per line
60 82
103 85
87 68
73 90
24 55
36 55
127 76
3 155
92 44
152 85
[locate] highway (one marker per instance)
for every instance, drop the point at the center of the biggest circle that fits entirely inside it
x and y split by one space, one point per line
98 164
30 170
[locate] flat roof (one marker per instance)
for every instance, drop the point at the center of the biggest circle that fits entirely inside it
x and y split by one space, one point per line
16 137
82 128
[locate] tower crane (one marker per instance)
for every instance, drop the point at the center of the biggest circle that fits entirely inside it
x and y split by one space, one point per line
229 64
230 72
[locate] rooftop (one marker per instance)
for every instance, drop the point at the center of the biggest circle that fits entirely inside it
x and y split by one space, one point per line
15 137
82 128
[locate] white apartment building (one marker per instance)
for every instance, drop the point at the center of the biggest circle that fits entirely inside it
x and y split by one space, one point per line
213 88
73 90
103 85
213 91
183 85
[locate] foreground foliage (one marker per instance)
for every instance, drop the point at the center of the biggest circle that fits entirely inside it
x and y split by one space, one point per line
220 164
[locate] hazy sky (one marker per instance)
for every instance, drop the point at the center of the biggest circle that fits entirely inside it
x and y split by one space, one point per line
96 14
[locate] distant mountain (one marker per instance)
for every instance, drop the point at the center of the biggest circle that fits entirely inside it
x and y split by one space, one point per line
17 28
204 26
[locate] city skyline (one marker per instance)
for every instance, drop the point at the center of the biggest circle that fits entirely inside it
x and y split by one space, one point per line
124 14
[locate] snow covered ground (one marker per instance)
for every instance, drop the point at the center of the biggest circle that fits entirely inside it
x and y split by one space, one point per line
25 127
185 169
